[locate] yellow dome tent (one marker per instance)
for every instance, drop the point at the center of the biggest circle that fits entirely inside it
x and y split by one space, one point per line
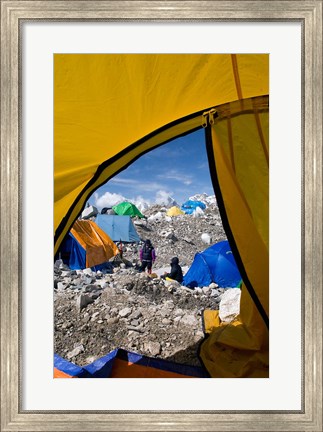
109 109
174 211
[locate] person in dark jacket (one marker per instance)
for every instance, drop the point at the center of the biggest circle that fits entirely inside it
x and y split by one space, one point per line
147 256
175 271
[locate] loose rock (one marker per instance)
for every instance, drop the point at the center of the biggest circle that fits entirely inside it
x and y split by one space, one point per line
82 301
123 308
125 312
153 347
75 352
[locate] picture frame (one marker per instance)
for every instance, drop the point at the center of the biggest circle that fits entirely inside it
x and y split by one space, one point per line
13 14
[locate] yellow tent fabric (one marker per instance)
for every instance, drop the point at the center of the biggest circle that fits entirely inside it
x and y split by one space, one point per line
239 349
238 145
97 244
111 108
174 211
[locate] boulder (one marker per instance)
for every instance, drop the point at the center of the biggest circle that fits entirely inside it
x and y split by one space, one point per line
189 320
207 290
61 286
206 238
123 313
88 271
89 212
230 305
153 347
82 301
75 352
135 323
135 314
103 284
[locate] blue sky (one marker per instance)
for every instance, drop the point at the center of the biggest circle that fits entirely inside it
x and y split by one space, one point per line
178 169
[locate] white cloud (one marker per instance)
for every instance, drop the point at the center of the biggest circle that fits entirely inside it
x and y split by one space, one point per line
203 166
137 184
108 199
151 186
174 175
124 181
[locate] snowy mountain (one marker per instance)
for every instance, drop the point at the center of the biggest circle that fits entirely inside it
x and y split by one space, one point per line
205 198
111 199
141 203
164 199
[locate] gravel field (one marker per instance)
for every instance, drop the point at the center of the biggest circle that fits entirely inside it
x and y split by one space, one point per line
96 312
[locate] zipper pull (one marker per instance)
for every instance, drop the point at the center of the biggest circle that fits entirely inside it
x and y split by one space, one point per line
212 115
204 119
208 117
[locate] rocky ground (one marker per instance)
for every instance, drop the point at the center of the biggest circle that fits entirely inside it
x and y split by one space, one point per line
181 235
96 312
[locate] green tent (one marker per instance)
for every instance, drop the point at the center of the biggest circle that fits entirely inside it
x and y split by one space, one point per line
127 208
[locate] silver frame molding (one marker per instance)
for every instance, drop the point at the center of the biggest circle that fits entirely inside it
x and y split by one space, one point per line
13 14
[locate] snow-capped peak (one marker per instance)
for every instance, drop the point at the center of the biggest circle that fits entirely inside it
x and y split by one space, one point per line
164 199
204 198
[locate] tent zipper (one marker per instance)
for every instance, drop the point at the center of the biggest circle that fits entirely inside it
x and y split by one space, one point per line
208 117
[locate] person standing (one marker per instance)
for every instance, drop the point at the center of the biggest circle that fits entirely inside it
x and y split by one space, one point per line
120 248
147 256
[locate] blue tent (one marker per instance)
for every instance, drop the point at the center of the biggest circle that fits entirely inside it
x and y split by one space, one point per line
118 227
215 264
189 206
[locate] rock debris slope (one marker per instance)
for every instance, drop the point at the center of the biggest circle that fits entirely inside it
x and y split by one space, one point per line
96 312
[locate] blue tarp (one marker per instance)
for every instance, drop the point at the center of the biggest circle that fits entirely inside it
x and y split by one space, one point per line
118 227
189 206
215 264
103 367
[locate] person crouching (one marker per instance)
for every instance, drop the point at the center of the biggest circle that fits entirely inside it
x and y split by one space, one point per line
176 272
